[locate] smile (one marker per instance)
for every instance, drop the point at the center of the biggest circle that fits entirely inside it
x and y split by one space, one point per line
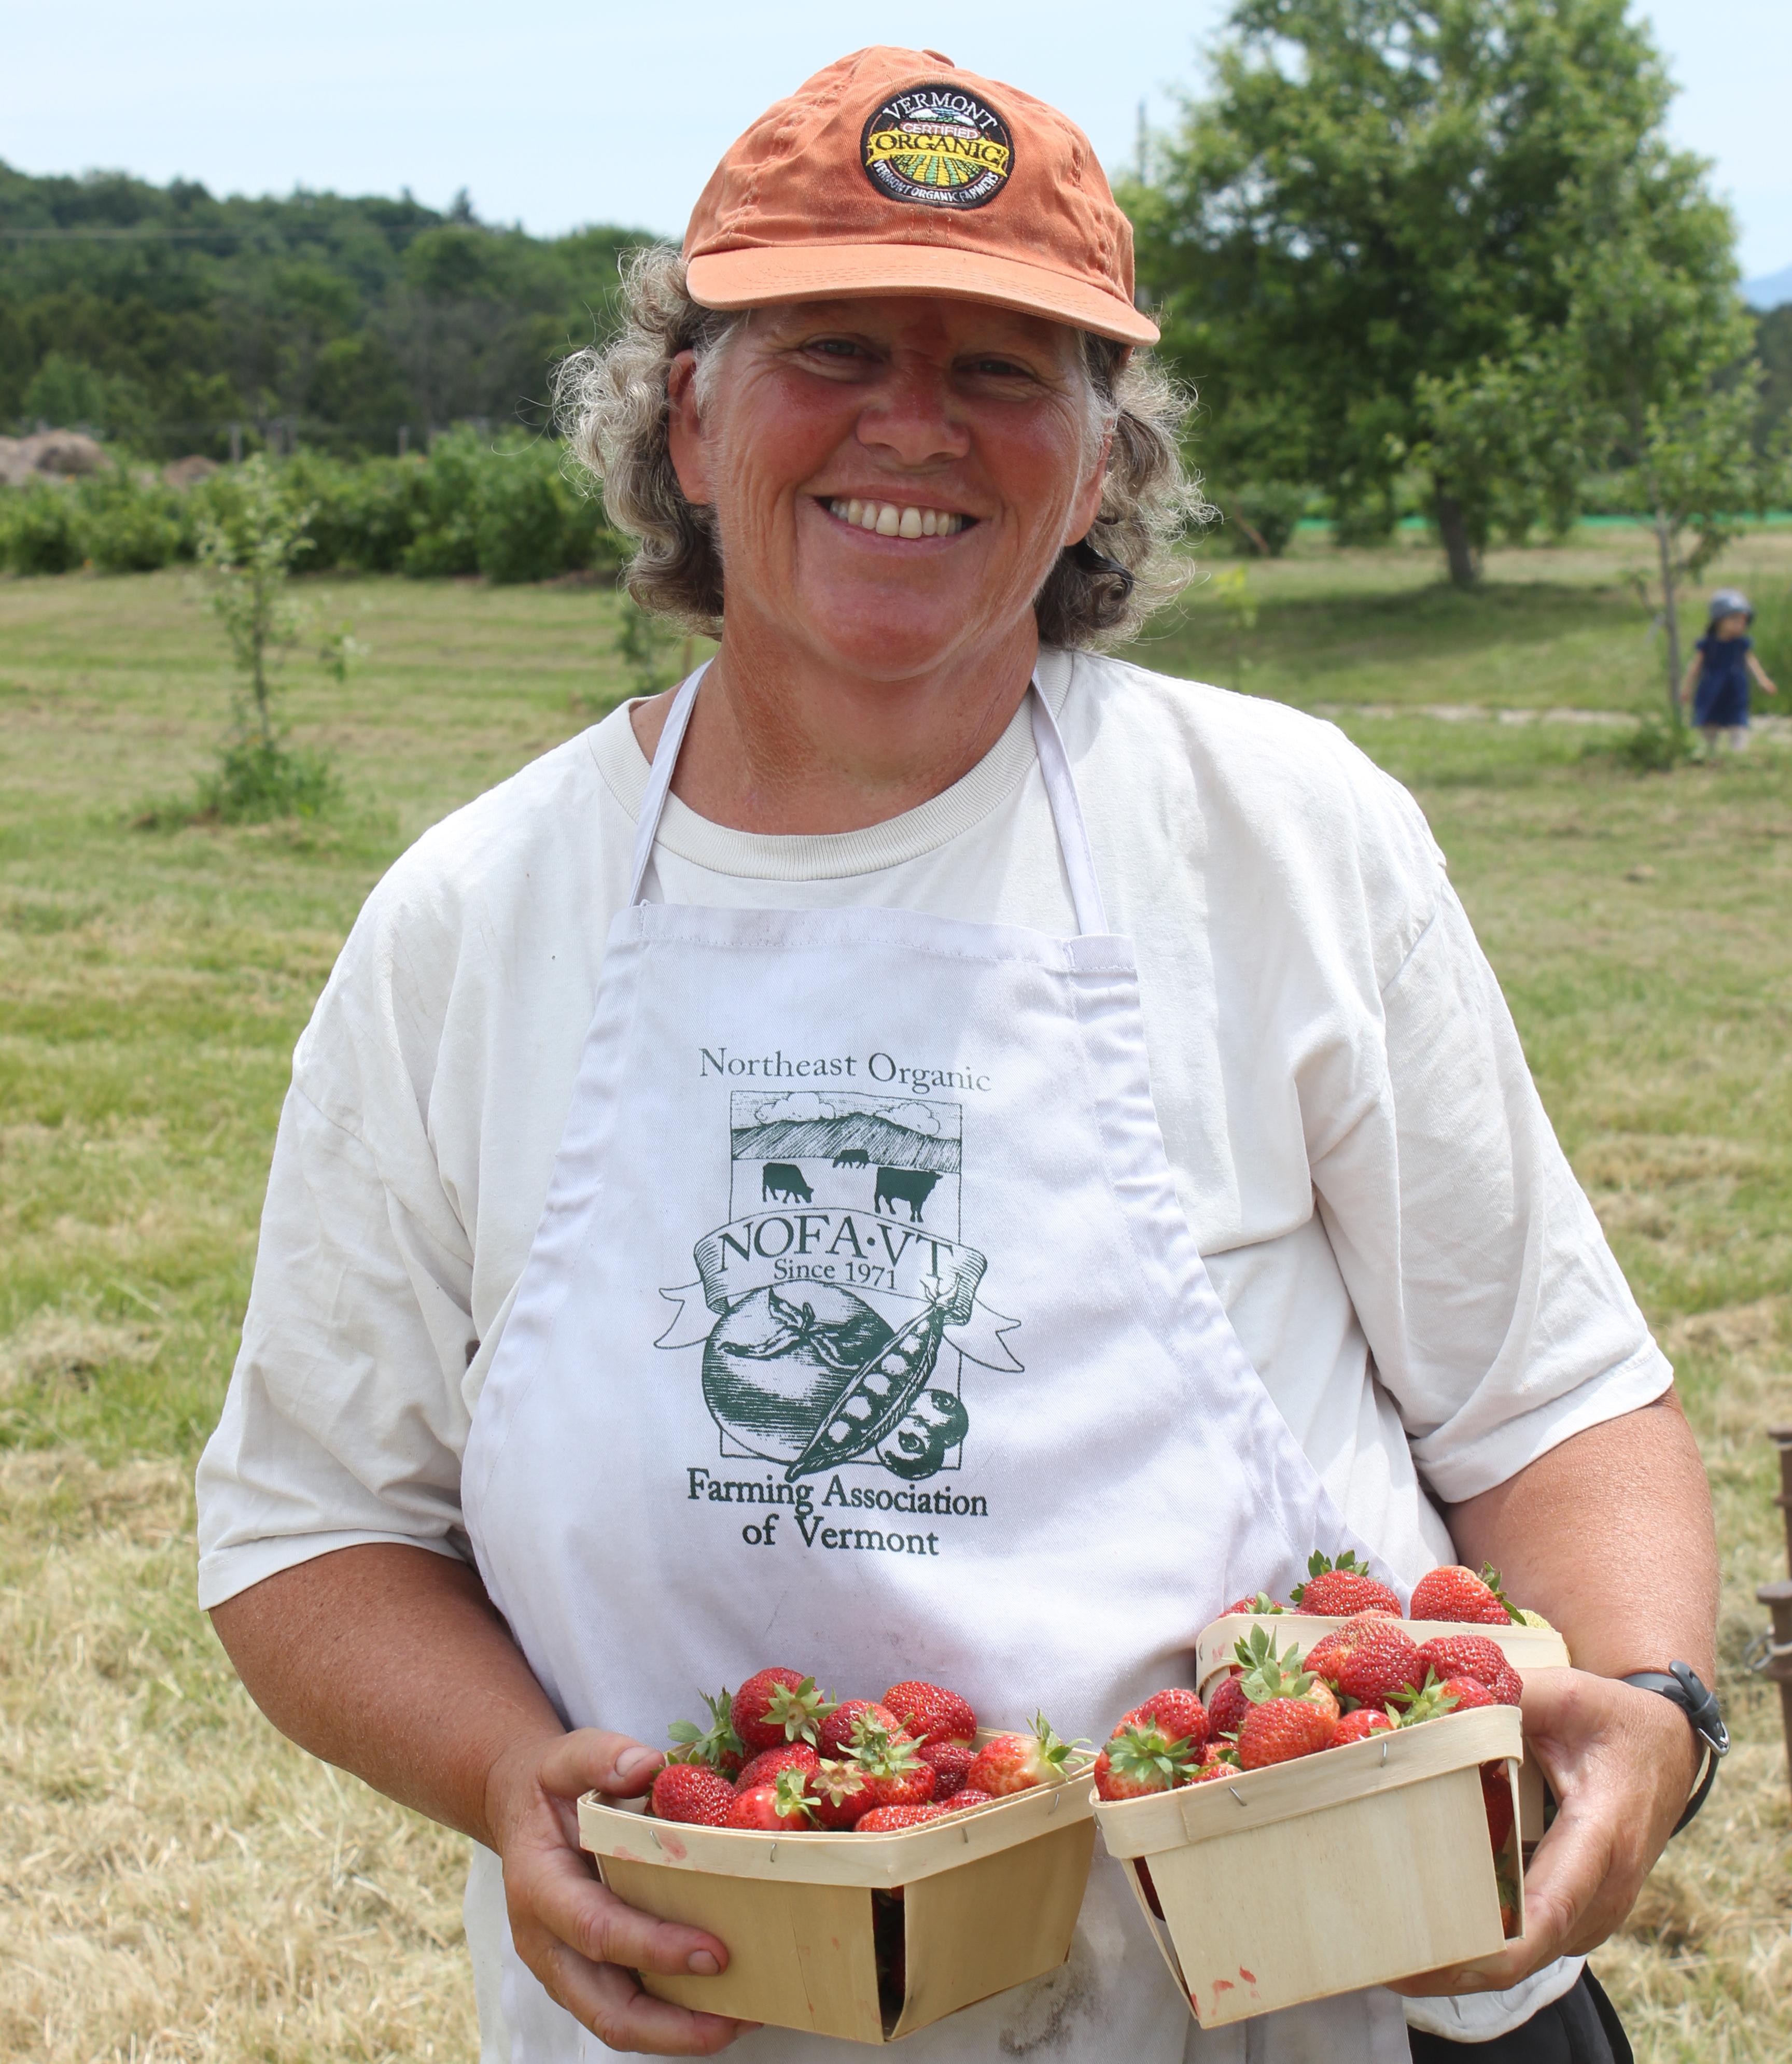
890 519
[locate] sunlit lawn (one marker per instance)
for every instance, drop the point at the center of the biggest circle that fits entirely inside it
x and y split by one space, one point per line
177 1883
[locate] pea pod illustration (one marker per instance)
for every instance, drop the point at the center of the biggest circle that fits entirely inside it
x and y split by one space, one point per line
876 1396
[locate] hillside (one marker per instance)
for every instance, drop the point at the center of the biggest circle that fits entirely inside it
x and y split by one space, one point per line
163 315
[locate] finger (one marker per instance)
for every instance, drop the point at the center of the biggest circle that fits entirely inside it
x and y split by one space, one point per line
554 1887
615 2008
589 1759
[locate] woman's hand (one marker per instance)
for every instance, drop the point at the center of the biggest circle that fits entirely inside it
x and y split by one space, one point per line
580 1941
1621 1764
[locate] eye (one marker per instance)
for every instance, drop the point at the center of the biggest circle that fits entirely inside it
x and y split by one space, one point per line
836 347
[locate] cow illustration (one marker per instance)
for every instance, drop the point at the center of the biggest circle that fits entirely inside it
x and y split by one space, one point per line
912 1186
783 1183
852 1157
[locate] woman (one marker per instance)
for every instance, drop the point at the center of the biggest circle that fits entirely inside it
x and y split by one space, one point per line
873 923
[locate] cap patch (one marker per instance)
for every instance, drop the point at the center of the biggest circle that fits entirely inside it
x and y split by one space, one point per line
937 147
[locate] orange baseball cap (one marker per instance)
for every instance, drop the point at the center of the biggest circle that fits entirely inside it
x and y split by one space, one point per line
893 172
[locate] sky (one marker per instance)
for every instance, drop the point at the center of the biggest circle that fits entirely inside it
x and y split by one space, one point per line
615 113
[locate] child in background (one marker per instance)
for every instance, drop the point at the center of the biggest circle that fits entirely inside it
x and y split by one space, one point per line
1724 662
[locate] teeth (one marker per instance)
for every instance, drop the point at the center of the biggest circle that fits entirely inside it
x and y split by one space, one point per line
890 521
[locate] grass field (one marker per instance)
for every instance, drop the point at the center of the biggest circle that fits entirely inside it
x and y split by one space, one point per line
174 1881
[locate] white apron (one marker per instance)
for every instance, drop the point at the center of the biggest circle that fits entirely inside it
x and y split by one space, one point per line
793 1136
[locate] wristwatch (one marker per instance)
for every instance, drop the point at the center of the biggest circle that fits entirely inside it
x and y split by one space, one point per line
1700 1706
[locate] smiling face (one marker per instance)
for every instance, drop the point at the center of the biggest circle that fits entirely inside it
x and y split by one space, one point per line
892 478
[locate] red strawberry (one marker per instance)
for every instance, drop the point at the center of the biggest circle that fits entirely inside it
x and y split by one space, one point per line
838 1794
1474 1655
1441 1696
765 1766
777 1706
1370 1658
1262 1602
1207 1773
929 1712
692 1791
779 1807
1341 1588
1496 1794
1270 1671
894 1773
1179 1713
842 1729
950 1760
1455 1593
1226 1704
1360 1725
717 1745
968 1796
1278 1730
1016 1763
892 1820
1139 1760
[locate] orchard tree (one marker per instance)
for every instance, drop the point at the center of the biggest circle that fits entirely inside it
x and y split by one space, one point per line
1367 244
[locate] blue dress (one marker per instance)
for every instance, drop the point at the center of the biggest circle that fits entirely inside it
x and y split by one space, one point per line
1721 697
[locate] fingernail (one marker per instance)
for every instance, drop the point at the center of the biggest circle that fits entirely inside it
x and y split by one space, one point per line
702 1963
635 1763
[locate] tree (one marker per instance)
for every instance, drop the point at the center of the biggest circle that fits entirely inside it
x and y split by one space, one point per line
1365 243
248 558
1662 342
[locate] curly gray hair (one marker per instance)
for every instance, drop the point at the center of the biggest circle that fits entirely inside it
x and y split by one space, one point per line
609 403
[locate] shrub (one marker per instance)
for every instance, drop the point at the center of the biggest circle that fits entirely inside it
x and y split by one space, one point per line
40 528
1772 633
128 525
260 779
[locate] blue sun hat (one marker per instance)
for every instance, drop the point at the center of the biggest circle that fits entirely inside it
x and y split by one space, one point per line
1731 602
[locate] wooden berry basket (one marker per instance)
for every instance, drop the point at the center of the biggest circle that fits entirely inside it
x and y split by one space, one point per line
982 1901
1354 1867
1524 1647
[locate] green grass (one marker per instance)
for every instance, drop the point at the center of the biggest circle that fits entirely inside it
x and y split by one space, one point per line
151 986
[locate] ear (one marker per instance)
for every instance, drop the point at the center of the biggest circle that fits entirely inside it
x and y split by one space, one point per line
685 441
1086 505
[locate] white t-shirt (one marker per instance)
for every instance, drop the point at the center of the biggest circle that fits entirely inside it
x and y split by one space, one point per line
1384 1211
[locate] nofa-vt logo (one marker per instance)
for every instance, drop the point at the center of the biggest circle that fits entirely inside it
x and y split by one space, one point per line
837 1305
937 147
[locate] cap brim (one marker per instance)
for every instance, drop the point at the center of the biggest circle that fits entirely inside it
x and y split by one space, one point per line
751 278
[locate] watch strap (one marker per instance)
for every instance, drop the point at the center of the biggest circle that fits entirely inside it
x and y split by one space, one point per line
1682 1684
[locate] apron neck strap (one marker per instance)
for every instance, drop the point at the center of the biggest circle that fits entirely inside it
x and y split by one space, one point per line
1060 791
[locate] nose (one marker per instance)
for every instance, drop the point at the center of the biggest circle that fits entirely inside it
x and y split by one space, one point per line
911 417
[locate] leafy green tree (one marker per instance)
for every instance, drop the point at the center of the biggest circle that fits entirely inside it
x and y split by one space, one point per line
1366 244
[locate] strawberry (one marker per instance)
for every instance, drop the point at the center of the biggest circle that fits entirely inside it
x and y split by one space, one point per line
1179 1713
1455 1593
1496 1795
1370 1658
892 1820
776 1705
892 1768
1278 1730
717 1745
1227 1704
1360 1725
1262 1602
1207 1773
838 1795
1441 1695
929 1712
968 1796
1140 1759
950 1760
1016 1763
1293 1713
1474 1655
1341 1588
779 1807
842 1729
765 1766
692 1791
